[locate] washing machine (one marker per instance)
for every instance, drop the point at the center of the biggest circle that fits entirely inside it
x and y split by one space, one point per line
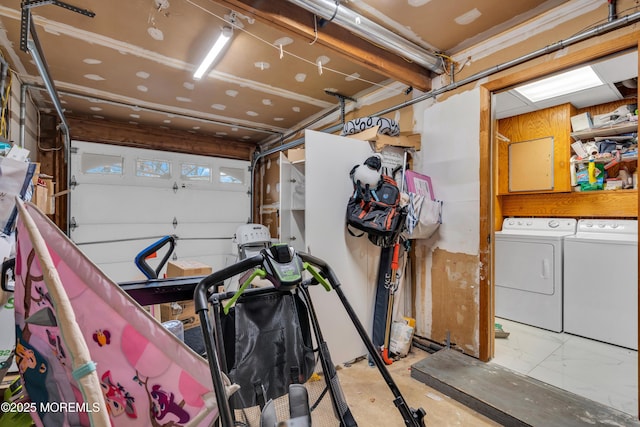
601 282
528 270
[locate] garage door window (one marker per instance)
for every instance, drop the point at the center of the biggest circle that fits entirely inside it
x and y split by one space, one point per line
194 172
231 175
101 164
153 168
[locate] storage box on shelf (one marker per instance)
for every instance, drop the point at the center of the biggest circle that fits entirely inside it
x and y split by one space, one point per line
185 268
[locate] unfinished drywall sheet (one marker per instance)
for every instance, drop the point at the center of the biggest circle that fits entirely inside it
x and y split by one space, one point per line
450 155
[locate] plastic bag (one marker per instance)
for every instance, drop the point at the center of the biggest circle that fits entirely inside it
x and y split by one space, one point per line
424 217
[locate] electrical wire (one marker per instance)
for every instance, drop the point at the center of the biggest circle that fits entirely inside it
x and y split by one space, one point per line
315 32
279 48
447 60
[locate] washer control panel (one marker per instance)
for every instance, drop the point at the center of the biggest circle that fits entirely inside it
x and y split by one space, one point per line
615 226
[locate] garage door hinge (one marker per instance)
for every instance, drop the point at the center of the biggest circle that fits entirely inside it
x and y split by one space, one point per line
175 187
73 150
73 182
175 222
73 224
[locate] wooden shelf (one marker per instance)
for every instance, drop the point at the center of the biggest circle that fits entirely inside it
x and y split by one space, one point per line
591 204
606 160
618 129
381 140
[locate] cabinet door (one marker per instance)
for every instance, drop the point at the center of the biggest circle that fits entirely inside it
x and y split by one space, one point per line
292 203
329 159
553 122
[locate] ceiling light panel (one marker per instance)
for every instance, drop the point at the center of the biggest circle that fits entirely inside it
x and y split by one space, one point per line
560 84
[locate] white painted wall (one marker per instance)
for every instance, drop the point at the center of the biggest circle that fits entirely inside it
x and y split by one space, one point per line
354 260
450 155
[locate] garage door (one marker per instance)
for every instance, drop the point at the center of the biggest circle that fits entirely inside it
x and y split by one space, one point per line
124 199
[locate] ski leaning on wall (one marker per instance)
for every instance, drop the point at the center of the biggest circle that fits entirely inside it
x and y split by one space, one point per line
374 210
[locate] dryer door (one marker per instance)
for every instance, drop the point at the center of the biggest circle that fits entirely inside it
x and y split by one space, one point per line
525 265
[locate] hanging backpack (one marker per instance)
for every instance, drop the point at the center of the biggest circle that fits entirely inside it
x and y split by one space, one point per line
376 211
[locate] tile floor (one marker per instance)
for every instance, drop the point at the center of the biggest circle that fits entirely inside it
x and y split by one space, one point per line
604 373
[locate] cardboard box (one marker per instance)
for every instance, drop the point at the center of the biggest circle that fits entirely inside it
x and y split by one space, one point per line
581 122
184 311
187 268
44 190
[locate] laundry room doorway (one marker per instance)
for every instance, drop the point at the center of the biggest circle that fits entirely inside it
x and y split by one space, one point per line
594 369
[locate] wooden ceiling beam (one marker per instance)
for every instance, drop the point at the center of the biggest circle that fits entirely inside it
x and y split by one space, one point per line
152 138
299 22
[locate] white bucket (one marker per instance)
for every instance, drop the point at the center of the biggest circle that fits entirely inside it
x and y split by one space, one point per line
175 327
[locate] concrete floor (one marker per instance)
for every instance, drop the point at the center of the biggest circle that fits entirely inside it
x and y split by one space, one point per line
371 401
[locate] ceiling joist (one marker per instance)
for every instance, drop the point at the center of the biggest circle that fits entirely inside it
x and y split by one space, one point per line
297 21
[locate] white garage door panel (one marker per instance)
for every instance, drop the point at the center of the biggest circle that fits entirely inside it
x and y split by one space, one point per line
119 215
126 270
127 251
97 204
130 155
109 232
224 206
207 230
155 205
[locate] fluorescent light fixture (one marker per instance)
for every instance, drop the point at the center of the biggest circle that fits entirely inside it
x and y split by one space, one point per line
560 84
217 47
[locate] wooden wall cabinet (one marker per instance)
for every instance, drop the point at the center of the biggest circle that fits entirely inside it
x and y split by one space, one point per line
554 122
561 201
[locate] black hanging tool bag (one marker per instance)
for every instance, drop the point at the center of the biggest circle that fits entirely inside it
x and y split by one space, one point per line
376 211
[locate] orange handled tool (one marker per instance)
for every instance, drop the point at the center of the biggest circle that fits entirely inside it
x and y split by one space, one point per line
392 289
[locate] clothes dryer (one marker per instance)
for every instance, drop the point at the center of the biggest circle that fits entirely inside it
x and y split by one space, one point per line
601 282
528 270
